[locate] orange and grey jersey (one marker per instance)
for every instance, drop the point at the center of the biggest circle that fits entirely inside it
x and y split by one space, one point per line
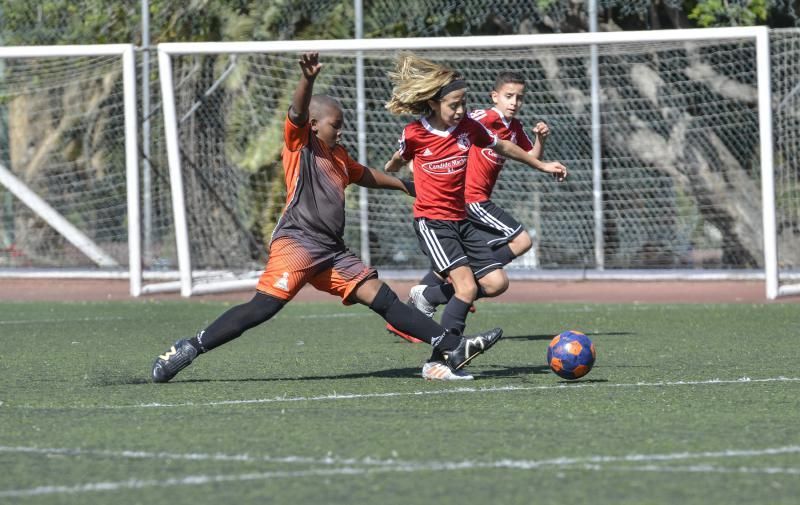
316 177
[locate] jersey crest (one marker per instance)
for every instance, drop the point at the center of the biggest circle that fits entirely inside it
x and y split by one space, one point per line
463 141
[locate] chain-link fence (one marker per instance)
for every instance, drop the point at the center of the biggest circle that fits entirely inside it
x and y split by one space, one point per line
694 103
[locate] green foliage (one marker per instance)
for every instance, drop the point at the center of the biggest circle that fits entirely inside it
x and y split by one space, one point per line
68 22
544 5
709 13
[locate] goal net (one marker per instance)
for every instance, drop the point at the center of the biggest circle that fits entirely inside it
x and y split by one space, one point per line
679 119
68 161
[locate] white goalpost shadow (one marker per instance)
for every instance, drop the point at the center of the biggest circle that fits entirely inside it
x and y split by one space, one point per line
759 35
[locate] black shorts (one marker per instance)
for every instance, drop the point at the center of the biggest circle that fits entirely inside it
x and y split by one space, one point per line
451 244
495 226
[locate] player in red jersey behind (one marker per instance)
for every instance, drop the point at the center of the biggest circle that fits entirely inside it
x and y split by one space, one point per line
501 231
307 245
438 144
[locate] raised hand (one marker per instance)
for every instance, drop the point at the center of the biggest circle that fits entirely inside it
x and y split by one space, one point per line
310 65
541 130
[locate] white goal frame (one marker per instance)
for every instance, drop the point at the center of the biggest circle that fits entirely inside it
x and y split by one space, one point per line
54 219
759 34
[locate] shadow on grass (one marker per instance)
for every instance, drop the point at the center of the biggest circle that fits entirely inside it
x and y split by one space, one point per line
389 373
396 373
102 379
513 371
581 381
550 336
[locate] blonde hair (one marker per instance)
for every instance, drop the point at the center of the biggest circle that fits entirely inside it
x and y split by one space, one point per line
416 80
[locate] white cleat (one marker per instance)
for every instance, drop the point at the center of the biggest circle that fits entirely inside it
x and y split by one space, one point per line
438 371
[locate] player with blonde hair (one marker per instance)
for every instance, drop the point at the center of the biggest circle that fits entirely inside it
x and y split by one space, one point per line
438 144
501 231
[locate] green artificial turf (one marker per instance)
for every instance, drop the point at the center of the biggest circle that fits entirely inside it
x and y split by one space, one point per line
686 404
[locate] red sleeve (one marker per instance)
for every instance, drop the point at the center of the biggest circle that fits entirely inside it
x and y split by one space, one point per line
295 137
523 140
481 116
480 136
406 142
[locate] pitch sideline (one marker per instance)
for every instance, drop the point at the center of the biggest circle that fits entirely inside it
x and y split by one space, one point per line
458 390
595 463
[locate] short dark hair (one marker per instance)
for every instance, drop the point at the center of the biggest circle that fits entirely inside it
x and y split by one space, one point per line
507 77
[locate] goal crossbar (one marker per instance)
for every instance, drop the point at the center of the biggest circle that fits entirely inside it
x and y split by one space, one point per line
758 34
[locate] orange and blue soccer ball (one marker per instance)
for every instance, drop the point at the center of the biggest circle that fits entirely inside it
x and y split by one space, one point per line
571 355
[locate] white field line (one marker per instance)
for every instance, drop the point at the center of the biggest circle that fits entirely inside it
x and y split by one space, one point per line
599 463
459 390
494 307
67 320
772 470
336 460
120 318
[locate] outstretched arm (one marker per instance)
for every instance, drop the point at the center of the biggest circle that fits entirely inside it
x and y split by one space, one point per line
513 151
375 179
310 65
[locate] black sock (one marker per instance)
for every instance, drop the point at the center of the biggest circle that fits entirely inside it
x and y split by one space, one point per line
403 317
431 279
503 254
235 321
455 314
439 294
449 340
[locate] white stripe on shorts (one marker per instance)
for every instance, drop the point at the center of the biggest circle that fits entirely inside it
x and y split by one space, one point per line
498 264
489 219
437 252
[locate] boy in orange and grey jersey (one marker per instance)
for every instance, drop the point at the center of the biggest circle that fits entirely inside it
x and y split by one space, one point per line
307 244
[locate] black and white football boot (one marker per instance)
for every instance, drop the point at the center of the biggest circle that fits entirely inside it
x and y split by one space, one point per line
177 357
471 346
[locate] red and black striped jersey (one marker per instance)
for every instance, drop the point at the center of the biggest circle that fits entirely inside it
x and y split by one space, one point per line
440 163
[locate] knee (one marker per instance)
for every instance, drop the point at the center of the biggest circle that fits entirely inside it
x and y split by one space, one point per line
466 291
383 299
368 291
495 283
259 309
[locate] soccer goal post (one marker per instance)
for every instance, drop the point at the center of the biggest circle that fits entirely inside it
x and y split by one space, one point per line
684 187
69 186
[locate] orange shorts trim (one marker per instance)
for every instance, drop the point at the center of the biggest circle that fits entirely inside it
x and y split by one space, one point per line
293 264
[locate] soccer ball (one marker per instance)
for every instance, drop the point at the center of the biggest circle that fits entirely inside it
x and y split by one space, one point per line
571 355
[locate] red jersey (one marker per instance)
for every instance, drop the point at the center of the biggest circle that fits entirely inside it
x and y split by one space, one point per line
440 163
485 164
316 177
